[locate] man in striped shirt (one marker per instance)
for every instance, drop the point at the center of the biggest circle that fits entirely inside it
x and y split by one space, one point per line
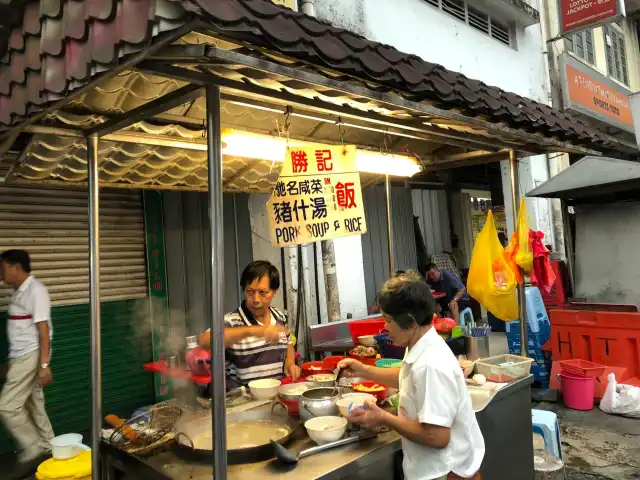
257 341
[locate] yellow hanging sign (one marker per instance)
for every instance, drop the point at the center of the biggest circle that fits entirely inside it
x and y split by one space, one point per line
317 196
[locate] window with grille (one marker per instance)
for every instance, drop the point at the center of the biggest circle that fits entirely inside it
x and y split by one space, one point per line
475 18
581 44
616 54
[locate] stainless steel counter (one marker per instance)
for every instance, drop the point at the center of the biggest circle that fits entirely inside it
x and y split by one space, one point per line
505 424
332 464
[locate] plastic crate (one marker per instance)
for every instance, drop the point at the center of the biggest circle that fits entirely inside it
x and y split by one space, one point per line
582 368
504 368
387 348
535 343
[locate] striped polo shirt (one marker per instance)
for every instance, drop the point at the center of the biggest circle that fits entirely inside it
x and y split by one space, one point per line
253 358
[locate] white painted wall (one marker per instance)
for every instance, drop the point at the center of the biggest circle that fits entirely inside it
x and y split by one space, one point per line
353 296
414 26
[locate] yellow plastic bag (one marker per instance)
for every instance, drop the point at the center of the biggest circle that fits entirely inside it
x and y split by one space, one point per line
524 256
491 280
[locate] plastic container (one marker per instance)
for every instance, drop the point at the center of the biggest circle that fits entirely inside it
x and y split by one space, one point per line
379 394
332 361
582 368
312 368
504 368
370 360
197 361
387 347
388 363
64 447
578 393
76 468
369 326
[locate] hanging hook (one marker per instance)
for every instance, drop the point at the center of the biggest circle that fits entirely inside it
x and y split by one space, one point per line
287 124
341 130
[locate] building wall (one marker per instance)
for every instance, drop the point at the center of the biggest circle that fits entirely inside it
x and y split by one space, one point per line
414 26
631 44
606 252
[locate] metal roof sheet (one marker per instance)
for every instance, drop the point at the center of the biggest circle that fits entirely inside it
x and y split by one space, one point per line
591 177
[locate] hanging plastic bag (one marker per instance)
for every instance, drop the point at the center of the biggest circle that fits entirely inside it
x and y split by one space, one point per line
524 256
510 256
542 274
491 280
621 399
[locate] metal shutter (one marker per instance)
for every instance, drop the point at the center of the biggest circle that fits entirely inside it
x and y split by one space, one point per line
52 224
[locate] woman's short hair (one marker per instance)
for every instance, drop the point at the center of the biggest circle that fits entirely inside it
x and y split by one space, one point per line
407 299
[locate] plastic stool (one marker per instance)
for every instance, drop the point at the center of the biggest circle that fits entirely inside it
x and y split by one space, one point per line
546 424
463 317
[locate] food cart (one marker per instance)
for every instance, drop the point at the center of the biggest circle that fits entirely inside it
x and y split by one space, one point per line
141 95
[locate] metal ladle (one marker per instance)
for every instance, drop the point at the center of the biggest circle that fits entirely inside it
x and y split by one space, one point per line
287 456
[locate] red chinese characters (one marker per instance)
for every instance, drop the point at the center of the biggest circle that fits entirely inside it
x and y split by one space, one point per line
324 161
346 195
299 161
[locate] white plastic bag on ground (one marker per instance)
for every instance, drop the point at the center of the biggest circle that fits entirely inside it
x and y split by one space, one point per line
621 399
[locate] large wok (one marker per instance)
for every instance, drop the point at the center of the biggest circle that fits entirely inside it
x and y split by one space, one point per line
193 434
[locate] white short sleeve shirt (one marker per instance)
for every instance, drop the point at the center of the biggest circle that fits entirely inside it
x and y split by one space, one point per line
30 304
433 391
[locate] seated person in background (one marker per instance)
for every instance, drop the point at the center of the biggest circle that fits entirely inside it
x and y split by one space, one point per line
446 282
257 341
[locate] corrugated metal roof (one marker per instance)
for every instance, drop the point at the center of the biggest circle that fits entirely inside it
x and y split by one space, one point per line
58 159
591 177
60 45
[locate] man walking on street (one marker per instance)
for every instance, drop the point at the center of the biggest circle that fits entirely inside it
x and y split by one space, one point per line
29 332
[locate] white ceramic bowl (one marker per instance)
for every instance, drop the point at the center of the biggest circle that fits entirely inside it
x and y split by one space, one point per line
264 389
64 447
355 399
326 429
367 340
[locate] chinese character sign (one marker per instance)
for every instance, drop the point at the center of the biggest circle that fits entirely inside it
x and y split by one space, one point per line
317 197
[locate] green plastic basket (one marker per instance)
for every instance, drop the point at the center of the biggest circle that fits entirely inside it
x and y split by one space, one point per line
388 363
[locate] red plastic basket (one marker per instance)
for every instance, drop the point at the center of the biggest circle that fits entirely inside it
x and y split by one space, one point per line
582 368
369 326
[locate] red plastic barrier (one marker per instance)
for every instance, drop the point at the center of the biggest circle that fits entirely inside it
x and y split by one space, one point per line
607 338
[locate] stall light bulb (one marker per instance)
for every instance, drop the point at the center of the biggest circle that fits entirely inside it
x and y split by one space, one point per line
386 164
274 149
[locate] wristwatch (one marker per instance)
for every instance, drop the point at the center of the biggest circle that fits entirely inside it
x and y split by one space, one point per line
44 365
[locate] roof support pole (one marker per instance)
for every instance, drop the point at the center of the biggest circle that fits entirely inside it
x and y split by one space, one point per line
214 164
94 303
392 263
522 307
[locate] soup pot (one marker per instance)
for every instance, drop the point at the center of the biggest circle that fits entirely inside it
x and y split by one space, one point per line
318 402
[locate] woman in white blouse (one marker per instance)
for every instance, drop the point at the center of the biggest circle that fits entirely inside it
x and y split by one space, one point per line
440 435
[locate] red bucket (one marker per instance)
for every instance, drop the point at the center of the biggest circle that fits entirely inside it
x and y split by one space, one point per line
578 393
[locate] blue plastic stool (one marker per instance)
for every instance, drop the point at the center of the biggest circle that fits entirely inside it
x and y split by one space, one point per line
463 317
546 424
